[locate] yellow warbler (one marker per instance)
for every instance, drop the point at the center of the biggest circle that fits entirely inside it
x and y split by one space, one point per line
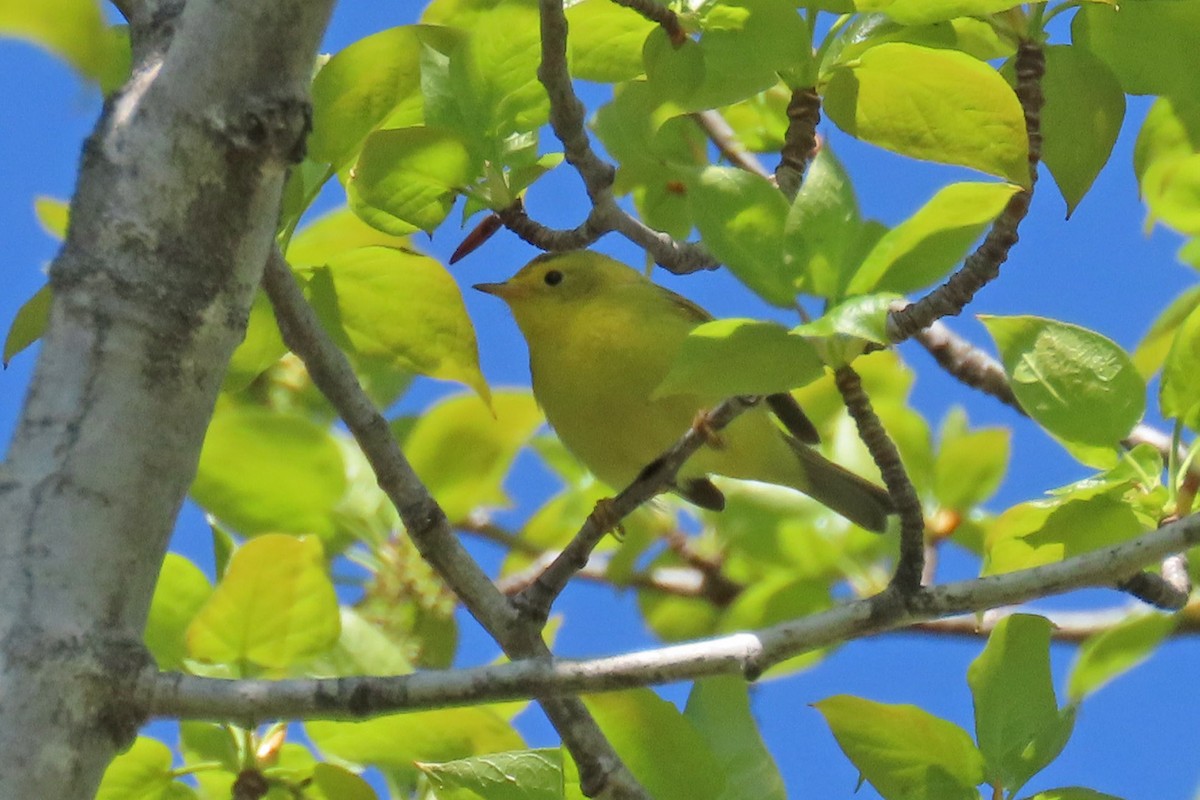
601 338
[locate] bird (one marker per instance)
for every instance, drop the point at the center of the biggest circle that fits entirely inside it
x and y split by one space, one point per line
601 338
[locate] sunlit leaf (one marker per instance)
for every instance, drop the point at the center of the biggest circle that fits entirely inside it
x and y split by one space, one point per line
936 105
741 218
1079 385
606 41
30 322
263 471
74 30
1017 721
519 775
274 606
1124 35
729 357
181 591
143 772
372 83
658 745
1108 655
904 751
719 708
462 450
1181 373
399 306
406 179
927 245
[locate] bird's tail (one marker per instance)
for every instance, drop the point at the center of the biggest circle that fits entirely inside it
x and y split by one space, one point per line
854 497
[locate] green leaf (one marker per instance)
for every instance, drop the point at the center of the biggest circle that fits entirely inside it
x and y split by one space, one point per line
52 214
30 322
927 245
658 745
395 742
181 591
519 775
372 83
274 606
1017 722
1123 36
970 464
904 751
936 105
402 307
743 46
494 73
75 31
363 648
1177 395
920 12
719 708
1033 534
1165 159
606 41
1081 94
462 449
760 123
1151 352
334 233
728 357
1077 384
862 317
741 218
1072 793
406 179
334 782
1108 655
823 229
264 471
261 346
143 772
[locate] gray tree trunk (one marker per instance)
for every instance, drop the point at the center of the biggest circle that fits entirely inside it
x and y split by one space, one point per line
171 224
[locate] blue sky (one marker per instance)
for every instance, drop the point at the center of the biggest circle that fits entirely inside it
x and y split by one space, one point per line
1098 270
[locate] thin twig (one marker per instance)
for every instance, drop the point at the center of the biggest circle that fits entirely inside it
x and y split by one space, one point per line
535 602
722 135
748 654
982 266
429 529
911 564
656 12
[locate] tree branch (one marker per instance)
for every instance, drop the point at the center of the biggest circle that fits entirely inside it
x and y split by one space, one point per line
170 225
536 600
600 768
800 140
982 266
911 564
748 654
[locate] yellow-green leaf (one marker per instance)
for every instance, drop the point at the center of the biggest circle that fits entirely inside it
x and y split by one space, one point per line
274 606
927 245
904 751
728 357
399 306
406 179
1080 386
462 450
936 105
27 326
265 471
1107 655
181 591
73 30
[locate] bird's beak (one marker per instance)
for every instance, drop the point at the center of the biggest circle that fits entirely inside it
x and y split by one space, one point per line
498 289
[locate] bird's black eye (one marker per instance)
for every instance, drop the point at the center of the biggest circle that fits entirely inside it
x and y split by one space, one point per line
553 278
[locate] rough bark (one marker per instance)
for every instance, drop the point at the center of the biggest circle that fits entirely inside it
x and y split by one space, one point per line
171 224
